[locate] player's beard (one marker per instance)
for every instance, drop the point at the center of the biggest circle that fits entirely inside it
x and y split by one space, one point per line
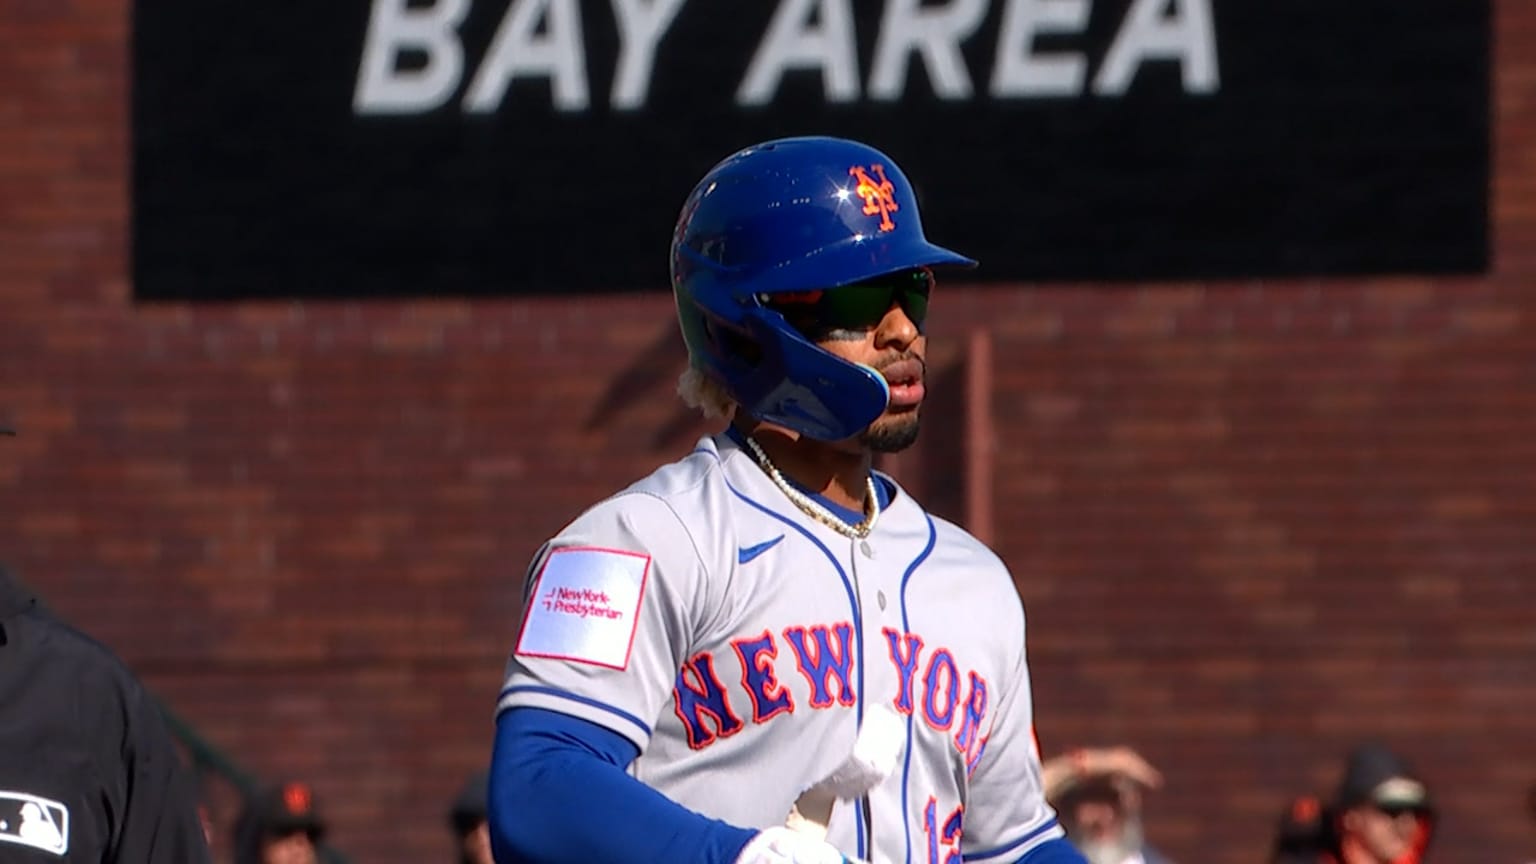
893 435
1116 850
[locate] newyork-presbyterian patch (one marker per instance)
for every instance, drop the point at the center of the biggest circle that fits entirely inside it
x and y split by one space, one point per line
585 606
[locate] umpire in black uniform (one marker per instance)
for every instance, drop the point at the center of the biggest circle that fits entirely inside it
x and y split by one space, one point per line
88 771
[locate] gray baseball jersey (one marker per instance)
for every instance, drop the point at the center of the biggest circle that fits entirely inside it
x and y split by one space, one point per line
737 642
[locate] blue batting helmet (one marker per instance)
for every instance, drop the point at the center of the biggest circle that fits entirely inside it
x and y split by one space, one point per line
796 214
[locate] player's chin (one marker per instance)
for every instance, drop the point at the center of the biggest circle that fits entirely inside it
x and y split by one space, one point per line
893 431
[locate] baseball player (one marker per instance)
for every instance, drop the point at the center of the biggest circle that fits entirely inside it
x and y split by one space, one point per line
703 647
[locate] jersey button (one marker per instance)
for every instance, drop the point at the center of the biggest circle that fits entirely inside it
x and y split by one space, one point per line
880 598
868 550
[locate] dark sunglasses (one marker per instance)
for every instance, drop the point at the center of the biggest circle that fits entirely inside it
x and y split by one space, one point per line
860 306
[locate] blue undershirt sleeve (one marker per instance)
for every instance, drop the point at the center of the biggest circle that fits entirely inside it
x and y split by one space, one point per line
560 794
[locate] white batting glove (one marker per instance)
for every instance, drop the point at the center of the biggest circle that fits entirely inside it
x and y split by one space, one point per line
780 845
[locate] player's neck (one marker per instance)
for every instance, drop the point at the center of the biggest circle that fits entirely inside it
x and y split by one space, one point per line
836 471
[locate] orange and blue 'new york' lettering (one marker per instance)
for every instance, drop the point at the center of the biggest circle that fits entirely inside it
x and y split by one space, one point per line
905 662
821 663
824 654
941 689
969 739
769 697
706 698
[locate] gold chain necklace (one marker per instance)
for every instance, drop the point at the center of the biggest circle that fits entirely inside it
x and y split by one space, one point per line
811 508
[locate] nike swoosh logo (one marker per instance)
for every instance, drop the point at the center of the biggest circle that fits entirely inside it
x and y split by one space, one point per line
747 553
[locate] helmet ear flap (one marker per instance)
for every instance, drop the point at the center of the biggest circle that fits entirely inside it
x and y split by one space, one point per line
732 342
802 386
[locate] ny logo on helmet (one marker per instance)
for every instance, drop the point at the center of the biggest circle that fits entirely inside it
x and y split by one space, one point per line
879 198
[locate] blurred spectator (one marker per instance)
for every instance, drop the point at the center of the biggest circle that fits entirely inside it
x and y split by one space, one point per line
1303 834
1384 811
282 825
468 819
1059 772
1098 795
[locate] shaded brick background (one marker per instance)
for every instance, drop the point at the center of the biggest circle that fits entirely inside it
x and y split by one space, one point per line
1254 522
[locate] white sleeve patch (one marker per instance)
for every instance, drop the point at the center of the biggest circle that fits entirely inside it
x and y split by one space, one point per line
587 606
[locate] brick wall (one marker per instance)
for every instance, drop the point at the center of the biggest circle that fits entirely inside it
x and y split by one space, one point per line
1253 522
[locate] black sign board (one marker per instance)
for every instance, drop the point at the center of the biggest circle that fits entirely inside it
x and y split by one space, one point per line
361 148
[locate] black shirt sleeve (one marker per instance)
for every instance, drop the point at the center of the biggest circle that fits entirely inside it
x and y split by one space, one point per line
160 819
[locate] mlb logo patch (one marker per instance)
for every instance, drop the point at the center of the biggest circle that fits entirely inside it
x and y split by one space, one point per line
35 821
585 606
